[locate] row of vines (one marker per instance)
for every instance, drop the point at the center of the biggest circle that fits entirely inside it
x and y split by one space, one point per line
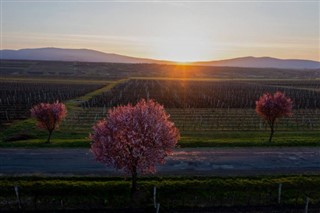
214 105
16 99
193 105
207 94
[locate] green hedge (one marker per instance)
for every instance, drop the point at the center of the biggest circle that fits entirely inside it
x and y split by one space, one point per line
172 192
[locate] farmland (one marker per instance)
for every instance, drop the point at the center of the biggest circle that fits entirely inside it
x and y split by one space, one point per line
16 98
210 112
212 106
216 94
217 105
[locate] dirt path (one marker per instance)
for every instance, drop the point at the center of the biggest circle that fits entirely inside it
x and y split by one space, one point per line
187 161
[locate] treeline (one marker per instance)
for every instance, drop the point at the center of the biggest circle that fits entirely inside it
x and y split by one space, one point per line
119 70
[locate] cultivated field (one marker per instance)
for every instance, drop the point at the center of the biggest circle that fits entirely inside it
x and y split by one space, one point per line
212 106
208 112
17 98
217 104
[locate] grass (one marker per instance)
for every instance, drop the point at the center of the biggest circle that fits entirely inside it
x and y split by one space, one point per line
60 138
74 133
88 96
249 139
74 103
73 138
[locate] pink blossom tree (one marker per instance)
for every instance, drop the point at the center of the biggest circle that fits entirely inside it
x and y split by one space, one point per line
134 138
49 116
271 107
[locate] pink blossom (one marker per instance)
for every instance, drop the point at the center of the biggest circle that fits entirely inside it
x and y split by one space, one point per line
49 116
271 107
134 138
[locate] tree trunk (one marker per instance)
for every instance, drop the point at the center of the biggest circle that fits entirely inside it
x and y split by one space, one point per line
271 132
49 136
134 182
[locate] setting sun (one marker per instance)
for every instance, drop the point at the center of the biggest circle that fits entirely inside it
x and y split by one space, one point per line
184 50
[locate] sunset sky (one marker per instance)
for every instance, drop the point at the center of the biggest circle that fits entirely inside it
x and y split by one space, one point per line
170 30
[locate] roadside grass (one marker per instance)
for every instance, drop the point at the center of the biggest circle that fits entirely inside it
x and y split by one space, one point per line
66 137
172 192
15 134
249 138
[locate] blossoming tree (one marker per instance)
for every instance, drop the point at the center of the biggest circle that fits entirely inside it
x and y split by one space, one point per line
134 138
271 107
49 116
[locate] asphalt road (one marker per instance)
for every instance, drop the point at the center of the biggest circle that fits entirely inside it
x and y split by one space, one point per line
186 161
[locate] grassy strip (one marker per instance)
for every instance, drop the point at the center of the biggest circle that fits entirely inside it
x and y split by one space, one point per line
72 138
69 135
248 139
63 137
37 137
171 192
71 104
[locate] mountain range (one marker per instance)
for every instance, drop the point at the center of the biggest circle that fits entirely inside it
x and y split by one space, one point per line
87 55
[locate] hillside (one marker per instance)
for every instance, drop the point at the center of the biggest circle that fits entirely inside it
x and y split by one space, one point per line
264 62
81 55
87 55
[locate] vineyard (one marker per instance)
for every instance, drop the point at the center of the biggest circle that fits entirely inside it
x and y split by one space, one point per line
208 119
16 98
207 94
215 105
204 110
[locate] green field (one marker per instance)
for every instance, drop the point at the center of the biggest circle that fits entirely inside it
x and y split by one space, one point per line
75 130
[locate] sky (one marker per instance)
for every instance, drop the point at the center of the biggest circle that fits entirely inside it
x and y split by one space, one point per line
168 30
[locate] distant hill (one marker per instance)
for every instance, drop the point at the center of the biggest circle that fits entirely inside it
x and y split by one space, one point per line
264 62
86 55
81 55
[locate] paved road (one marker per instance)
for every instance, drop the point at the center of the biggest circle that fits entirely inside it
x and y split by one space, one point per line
192 161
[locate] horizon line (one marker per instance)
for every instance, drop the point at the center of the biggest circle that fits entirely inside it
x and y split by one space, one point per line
162 60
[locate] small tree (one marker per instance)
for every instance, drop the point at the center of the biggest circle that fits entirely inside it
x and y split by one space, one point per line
271 107
49 116
134 138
